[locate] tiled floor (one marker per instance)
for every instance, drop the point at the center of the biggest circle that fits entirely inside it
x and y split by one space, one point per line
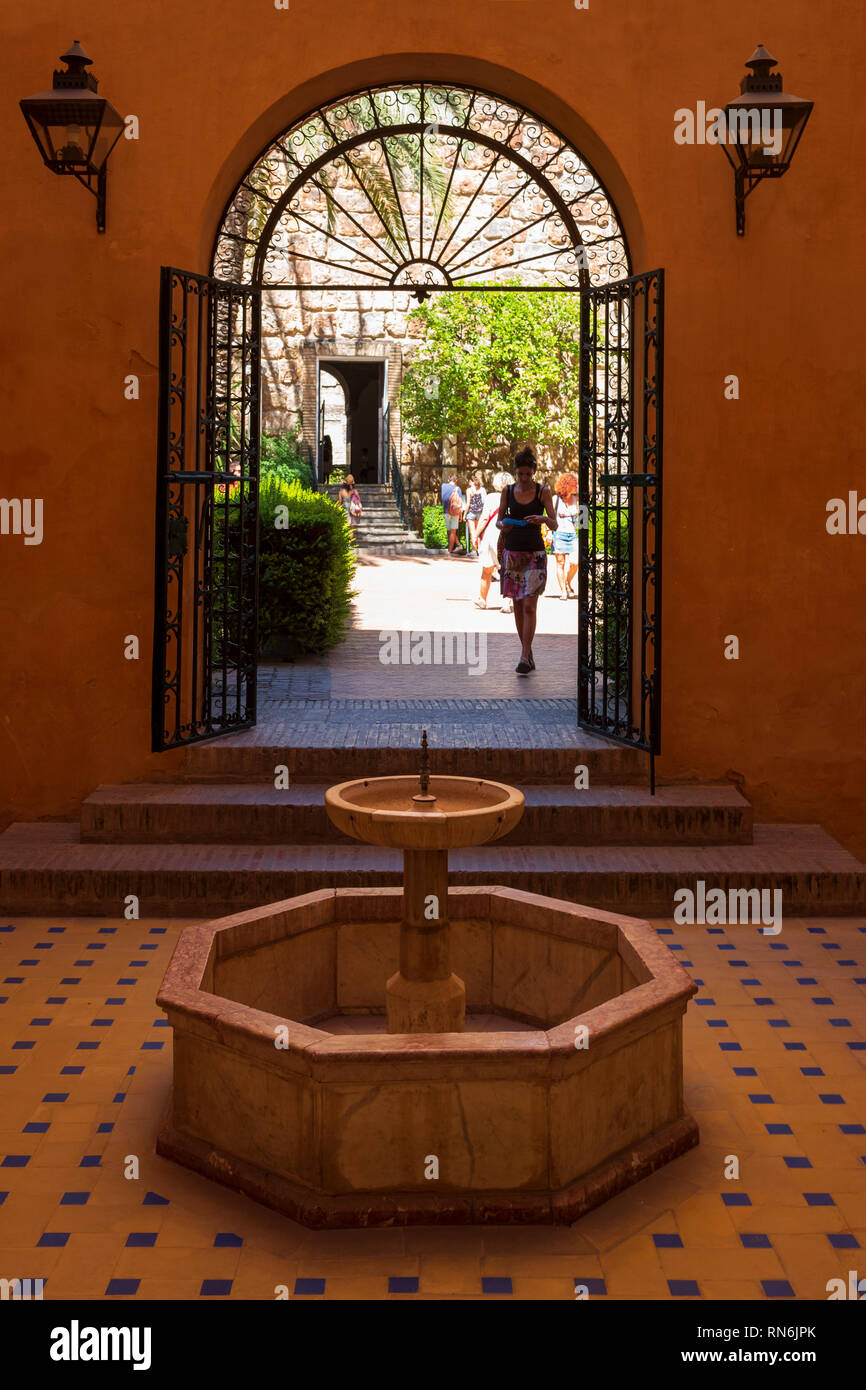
775 1046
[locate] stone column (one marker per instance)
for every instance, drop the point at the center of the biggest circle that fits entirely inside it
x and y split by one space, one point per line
424 996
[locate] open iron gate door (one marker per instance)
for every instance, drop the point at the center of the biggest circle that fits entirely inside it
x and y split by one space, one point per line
205 630
619 625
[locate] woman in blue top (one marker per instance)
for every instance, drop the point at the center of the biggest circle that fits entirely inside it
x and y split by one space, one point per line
523 558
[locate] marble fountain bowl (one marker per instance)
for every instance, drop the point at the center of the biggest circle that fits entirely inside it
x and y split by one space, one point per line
565 1087
388 811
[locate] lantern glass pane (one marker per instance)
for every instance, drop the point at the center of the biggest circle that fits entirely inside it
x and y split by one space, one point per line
106 135
78 131
765 132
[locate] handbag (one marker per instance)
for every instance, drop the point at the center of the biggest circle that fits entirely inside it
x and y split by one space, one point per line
355 505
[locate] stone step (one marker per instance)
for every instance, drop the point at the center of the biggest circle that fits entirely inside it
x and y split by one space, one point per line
46 871
380 528
381 508
366 491
382 513
379 500
250 757
256 813
381 534
403 547
369 540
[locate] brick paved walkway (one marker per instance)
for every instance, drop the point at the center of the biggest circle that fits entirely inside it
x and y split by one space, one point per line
474 694
446 648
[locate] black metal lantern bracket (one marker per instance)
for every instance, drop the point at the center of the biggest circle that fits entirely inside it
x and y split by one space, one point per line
760 94
74 128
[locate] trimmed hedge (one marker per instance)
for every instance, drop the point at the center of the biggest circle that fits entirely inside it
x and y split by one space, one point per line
306 566
434 529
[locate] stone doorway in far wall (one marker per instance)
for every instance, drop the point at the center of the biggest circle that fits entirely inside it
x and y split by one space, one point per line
353 416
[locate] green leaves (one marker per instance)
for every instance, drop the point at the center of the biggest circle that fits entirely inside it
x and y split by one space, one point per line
495 368
284 456
434 529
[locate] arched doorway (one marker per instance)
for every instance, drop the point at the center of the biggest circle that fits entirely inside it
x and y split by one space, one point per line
352 392
412 188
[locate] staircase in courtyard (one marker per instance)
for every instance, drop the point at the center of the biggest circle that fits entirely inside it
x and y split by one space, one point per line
381 529
219 837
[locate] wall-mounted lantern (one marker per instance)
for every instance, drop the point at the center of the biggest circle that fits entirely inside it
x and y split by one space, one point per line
763 128
75 129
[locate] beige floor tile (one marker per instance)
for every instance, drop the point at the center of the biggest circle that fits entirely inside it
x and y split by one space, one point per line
614 1242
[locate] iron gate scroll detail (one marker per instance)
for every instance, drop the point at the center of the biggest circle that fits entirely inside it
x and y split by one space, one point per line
205 630
619 646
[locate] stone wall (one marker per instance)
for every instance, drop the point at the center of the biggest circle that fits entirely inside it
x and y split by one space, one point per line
296 331
302 324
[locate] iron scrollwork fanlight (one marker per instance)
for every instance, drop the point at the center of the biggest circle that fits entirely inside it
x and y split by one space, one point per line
762 110
75 129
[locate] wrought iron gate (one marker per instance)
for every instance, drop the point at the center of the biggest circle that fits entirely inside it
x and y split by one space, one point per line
205 630
619 645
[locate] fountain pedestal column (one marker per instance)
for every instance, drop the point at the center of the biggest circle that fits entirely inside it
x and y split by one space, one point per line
424 996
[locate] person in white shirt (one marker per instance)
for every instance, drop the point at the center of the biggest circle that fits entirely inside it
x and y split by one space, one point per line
566 510
476 496
488 538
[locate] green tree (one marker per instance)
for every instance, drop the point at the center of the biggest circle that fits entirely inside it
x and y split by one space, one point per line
495 368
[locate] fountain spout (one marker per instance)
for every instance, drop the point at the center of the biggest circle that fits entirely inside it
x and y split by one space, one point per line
423 797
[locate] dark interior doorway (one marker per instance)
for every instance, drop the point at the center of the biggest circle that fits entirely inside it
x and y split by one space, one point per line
364 387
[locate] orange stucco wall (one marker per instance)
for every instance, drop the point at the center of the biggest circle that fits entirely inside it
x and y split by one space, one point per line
746 483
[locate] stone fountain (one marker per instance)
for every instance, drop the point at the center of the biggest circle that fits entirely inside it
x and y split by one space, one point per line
424 996
378 1056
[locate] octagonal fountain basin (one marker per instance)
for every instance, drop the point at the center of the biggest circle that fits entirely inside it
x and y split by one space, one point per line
451 813
565 1087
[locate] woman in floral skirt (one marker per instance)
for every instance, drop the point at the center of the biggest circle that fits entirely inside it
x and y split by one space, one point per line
523 558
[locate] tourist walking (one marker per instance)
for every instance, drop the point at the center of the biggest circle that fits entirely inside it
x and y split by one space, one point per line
523 558
327 459
350 500
452 506
488 540
566 510
476 496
